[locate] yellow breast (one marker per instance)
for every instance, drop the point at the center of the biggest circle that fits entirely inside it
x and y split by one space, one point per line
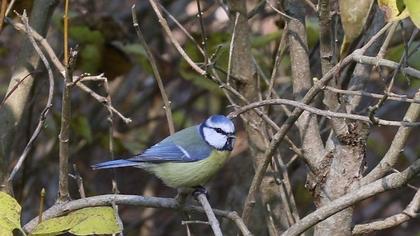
190 174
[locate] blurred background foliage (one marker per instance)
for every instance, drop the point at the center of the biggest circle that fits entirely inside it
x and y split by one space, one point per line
107 44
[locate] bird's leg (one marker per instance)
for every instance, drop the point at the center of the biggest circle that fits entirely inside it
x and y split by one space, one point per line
200 190
181 196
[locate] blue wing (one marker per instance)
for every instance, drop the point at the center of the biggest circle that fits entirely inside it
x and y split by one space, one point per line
183 146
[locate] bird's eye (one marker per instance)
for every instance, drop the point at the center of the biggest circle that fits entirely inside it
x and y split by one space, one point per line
218 130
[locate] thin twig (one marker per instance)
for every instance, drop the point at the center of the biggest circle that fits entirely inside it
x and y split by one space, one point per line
186 222
48 105
3 7
54 59
375 108
182 28
410 212
166 102
41 204
281 133
387 63
79 181
9 8
168 32
394 150
391 96
311 5
66 33
387 40
280 12
326 113
214 223
19 82
279 56
203 35
231 45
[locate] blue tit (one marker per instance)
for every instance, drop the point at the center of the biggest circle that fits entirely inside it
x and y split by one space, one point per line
188 158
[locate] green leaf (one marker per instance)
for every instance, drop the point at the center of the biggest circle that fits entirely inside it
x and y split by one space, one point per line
413 7
55 226
96 220
87 221
9 214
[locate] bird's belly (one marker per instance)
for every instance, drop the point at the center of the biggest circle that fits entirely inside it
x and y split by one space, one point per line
190 174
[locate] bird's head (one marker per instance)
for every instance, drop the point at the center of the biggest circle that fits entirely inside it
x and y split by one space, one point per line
219 132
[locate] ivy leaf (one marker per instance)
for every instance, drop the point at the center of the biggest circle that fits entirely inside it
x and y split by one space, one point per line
55 226
9 214
87 221
96 220
413 7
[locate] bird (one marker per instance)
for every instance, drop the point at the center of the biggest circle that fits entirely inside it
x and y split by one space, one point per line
187 159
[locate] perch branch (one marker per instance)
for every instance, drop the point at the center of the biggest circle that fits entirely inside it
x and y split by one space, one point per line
134 200
214 223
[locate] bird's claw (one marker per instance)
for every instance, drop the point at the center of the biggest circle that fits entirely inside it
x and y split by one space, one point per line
200 190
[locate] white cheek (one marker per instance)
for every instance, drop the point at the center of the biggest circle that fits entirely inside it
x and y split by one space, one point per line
214 139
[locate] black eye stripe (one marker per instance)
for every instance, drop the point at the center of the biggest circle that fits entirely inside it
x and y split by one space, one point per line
219 130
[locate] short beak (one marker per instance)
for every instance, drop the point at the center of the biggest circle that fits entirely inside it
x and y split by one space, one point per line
231 141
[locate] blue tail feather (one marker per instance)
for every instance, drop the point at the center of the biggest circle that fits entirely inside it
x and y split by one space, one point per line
114 164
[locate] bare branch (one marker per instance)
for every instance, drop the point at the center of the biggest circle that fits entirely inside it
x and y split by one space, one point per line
51 54
389 182
47 108
214 223
391 96
326 113
203 35
387 63
281 133
168 32
408 213
167 106
64 136
391 157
